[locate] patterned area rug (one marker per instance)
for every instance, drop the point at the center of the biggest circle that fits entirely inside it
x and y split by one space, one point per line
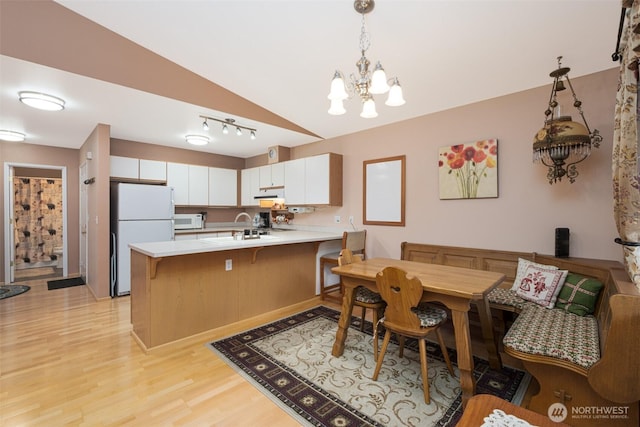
290 361
7 291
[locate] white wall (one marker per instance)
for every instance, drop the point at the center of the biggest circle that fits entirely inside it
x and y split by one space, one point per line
528 209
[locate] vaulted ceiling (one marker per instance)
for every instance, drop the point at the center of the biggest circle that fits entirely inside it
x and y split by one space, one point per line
150 69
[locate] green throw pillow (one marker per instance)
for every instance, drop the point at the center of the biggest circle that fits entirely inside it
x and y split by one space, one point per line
579 294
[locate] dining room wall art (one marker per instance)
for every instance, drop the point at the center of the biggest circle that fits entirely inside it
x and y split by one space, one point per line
469 171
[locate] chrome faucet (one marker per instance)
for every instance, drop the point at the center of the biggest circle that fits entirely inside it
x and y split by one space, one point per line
250 221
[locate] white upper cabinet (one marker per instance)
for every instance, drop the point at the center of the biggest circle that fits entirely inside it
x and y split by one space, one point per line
153 170
129 168
294 179
315 180
249 186
178 178
272 175
198 185
123 167
323 180
223 187
316 184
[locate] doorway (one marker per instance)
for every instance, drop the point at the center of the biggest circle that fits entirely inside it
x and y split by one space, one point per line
36 230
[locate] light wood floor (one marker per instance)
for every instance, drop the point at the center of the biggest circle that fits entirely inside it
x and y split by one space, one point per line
66 359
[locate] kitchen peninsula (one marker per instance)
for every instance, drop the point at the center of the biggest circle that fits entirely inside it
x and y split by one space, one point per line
186 287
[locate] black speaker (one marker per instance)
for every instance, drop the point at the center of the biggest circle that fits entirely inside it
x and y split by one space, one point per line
562 242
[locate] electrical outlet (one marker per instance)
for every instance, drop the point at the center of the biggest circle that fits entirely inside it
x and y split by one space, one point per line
336 219
228 265
351 219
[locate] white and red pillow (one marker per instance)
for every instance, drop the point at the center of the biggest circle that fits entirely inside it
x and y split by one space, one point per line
540 284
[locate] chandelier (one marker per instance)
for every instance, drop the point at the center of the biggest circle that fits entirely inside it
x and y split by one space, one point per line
562 143
365 84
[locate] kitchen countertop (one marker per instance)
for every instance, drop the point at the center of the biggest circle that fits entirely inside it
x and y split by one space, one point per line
186 247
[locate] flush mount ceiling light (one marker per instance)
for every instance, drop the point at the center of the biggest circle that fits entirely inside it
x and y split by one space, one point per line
197 139
12 136
365 84
41 101
225 126
562 143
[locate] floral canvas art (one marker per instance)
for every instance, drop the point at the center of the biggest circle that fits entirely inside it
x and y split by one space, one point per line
469 171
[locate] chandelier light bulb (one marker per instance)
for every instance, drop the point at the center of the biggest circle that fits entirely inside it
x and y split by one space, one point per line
395 98
338 91
336 108
379 81
253 135
41 101
369 109
225 129
205 125
238 131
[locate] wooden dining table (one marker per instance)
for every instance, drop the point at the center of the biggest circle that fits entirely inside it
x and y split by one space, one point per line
454 287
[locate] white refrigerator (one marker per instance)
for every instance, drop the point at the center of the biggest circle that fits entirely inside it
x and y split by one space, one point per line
139 214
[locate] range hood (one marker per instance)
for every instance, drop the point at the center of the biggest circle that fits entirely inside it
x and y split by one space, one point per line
270 193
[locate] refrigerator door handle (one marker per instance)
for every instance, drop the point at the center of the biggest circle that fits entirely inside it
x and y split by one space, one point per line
114 257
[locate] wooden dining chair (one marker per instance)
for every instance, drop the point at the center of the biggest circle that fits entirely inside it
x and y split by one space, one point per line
403 317
364 297
355 242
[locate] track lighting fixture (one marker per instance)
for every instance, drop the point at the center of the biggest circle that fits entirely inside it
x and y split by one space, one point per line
225 126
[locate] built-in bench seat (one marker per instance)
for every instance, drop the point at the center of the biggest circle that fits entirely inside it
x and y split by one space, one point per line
591 363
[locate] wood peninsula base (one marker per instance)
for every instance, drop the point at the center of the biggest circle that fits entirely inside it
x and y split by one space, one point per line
176 297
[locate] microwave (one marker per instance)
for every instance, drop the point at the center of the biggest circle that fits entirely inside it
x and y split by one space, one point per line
187 221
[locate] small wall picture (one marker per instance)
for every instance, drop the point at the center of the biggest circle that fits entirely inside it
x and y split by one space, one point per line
469 171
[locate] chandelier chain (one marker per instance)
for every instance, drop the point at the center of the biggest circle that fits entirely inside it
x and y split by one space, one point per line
365 41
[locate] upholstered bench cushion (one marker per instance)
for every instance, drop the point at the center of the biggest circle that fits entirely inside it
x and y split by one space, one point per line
506 297
555 333
429 315
367 296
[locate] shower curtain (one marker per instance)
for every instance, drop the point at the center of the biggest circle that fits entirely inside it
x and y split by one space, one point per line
38 221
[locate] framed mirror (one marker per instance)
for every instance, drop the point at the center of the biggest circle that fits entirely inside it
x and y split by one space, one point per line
384 191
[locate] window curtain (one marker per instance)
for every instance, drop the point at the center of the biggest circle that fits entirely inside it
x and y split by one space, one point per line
626 177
